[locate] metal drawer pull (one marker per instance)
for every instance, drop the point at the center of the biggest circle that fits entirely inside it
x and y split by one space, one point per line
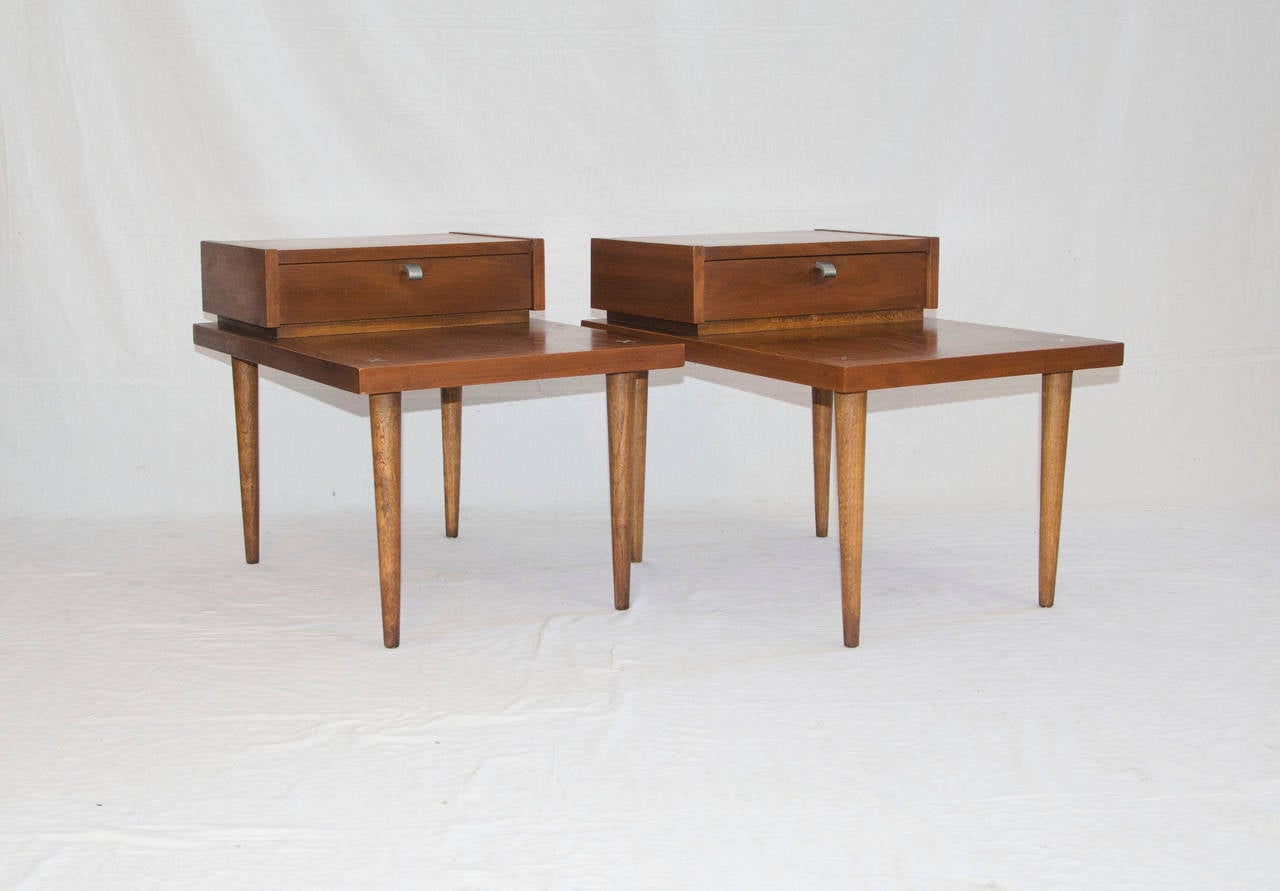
825 269
413 272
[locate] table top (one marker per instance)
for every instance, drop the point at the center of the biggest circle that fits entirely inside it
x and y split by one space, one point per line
803 243
394 361
874 356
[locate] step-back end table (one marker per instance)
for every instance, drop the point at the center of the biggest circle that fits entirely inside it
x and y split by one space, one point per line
379 316
843 313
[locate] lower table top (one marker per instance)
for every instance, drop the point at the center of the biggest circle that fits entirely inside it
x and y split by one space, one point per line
394 361
881 355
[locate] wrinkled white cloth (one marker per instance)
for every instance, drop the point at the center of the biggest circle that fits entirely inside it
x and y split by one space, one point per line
171 716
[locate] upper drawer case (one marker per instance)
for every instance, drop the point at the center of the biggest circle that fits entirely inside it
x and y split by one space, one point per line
298 283
711 278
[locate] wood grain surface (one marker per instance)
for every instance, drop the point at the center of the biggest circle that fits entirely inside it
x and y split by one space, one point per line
620 401
821 400
414 360
378 289
451 445
851 446
385 247
855 358
1055 409
640 429
384 427
780 286
244 383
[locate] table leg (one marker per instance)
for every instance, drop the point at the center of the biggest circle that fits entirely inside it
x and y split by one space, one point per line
620 396
851 442
1055 408
451 437
384 427
640 421
244 382
821 459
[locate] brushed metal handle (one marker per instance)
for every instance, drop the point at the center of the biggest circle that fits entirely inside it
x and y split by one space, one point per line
825 269
412 271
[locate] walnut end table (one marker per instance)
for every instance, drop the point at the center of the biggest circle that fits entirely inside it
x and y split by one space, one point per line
842 313
379 316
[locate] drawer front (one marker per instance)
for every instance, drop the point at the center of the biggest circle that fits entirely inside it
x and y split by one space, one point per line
379 289
788 286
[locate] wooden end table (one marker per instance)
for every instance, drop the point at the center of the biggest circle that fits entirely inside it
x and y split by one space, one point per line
379 316
842 313
384 365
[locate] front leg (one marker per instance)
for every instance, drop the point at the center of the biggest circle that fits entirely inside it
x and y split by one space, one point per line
1055 408
244 383
851 446
619 395
821 459
639 424
384 426
451 439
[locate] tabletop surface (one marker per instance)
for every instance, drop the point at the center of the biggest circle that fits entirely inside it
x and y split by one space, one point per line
809 236
870 356
393 361
371 241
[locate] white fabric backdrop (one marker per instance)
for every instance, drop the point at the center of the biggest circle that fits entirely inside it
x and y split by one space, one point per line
1104 169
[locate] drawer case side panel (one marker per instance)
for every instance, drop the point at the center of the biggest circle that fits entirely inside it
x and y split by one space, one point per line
539 301
658 280
931 295
238 282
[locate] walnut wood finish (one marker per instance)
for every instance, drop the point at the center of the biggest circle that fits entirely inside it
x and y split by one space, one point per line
856 358
1055 408
393 361
385 247
779 286
703 290
698 279
373 326
795 243
656 280
620 399
384 426
244 381
378 289
538 254
383 364
896 354
239 282
539 276
451 440
851 444
821 459
640 424
326 280
769 323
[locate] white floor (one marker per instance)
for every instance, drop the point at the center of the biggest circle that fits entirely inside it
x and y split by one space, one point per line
172 717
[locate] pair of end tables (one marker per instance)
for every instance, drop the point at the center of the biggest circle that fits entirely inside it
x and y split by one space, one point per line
840 312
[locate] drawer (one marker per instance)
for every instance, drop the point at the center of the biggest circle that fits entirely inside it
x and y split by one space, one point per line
380 289
315 286
791 286
705 284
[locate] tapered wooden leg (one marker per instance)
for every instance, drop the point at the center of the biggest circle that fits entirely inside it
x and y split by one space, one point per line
451 437
1055 408
244 381
821 459
640 414
851 442
620 395
384 426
